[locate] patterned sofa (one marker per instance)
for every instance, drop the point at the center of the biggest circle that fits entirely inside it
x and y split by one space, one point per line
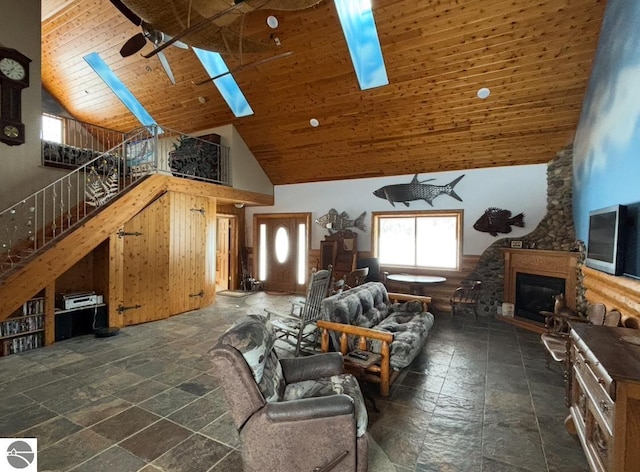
281 406
366 318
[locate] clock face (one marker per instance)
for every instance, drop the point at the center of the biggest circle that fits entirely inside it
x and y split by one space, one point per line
12 69
11 131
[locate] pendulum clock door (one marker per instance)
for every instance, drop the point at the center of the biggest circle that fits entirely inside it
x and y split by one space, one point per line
282 251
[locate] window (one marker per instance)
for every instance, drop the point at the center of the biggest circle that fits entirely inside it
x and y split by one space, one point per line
52 128
430 239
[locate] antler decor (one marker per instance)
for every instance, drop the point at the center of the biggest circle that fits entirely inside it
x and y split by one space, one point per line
224 33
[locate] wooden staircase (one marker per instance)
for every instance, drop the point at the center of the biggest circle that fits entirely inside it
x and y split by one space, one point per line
35 272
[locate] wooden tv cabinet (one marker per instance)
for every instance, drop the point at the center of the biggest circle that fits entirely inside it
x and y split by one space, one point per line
605 396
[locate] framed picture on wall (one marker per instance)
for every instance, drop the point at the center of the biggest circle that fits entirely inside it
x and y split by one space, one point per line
516 244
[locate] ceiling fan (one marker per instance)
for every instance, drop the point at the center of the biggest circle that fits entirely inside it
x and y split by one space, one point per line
138 41
212 25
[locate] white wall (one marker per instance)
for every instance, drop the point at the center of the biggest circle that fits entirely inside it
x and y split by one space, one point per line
246 173
22 173
518 189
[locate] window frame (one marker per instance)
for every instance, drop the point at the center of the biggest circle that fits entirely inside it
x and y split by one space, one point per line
457 214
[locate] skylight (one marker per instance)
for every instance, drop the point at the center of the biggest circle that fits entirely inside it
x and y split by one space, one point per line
226 84
360 32
120 89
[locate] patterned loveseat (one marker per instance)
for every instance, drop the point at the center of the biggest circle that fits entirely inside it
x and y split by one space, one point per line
366 318
280 406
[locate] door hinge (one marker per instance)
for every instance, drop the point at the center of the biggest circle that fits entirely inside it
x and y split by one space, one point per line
122 309
199 210
199 294
122 234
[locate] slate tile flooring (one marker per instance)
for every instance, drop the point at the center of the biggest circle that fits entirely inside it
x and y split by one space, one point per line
478 398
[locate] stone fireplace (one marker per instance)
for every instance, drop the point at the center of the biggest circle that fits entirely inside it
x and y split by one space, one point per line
539 275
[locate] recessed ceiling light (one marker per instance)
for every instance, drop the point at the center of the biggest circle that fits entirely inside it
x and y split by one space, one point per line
483 93
313 122
202 100
272 21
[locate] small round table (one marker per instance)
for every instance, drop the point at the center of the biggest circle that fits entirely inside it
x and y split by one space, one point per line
416 282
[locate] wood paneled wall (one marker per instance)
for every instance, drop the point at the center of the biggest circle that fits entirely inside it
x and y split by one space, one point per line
439 293
617 293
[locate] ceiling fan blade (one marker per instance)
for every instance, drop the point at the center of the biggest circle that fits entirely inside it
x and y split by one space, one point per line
243 67
133 45
132 17
166 67
178 44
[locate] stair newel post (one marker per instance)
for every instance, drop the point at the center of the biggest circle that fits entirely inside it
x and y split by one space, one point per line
156 157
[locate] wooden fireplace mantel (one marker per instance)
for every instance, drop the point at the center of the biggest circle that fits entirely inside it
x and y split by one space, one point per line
560 264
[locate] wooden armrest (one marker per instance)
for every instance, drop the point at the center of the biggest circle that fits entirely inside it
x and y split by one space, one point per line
356 330
405 297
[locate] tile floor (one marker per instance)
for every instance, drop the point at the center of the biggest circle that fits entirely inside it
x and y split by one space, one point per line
478 398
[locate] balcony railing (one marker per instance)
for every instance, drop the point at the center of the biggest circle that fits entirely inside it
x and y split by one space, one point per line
36 221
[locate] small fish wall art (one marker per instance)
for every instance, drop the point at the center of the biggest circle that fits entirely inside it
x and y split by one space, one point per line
417 190
496 220
335 221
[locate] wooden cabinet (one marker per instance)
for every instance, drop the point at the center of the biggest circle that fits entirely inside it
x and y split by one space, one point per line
605 396
339 250
168 258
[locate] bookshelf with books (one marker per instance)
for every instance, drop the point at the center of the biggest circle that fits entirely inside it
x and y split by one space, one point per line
24 329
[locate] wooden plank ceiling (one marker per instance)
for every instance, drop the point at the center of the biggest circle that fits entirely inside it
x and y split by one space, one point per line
534 55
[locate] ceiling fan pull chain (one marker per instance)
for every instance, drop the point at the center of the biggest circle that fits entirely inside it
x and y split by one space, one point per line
189 14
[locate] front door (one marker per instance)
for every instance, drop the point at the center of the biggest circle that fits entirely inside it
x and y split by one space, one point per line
282 245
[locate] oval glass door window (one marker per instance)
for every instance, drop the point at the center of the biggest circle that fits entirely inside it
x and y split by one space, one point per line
282 245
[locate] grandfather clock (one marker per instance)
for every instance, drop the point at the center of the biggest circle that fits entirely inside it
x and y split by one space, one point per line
14 76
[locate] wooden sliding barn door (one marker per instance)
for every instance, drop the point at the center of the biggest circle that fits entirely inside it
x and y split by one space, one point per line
192 254
146 265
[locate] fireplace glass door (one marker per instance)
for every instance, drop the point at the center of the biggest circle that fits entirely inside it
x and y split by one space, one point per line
535 293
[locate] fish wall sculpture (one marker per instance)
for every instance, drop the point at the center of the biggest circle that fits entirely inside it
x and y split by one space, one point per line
497 220
416 190
335 221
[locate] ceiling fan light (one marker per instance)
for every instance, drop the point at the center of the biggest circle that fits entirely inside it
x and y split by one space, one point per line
272 21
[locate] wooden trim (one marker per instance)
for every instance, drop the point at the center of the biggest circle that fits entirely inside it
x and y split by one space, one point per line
560 264
458 214
50 314
115 295
222 193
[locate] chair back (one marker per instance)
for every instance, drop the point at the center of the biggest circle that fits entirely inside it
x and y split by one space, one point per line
595 313
612 318
357 277
317 291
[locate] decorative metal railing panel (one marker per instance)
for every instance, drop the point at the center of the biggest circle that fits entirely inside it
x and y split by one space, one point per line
51 212
75 143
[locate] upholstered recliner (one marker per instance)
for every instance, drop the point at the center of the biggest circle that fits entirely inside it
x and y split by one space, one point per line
292 414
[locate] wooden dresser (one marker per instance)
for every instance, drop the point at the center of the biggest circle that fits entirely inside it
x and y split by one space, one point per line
605 396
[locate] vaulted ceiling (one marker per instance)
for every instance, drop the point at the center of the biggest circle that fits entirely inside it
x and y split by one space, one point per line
535 56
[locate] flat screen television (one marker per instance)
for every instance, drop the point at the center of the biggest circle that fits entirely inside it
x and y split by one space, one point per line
605 245
632 241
